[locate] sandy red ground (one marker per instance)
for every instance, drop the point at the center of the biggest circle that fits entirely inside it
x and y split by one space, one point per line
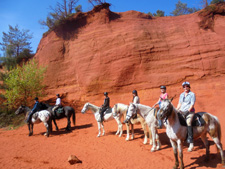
18 150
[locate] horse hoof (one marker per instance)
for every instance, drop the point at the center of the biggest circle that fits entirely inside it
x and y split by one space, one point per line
189 149
46 134
98 135
57 129
30 134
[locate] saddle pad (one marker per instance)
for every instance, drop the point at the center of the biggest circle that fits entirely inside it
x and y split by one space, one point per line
197 119
109 110
59 110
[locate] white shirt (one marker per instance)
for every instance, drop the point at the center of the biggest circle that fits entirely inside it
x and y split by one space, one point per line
58 101
136 100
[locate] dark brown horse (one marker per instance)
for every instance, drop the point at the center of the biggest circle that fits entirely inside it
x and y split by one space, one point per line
67 112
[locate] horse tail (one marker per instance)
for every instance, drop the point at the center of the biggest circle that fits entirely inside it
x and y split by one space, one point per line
215 121
74 117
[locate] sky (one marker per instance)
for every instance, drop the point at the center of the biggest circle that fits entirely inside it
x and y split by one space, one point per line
27 13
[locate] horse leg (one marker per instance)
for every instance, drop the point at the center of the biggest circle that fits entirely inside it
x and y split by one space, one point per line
150 136
206 143
180 149
47 127
174 145
103 130
220 147
56 127
144 126
120 127
132 131
68 127
99 129
30 128
128 132
153 138
158 141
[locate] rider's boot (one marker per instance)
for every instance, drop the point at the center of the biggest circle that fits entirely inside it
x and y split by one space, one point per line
190 134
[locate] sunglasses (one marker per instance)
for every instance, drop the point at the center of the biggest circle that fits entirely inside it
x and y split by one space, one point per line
185 86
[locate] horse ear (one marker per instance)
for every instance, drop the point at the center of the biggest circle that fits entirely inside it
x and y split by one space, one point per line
172 98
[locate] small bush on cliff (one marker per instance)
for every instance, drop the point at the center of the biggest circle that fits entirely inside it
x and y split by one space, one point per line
207 15
23 83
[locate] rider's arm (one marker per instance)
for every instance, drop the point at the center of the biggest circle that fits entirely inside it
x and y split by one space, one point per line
156 102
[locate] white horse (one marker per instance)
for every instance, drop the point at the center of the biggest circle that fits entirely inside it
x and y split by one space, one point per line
108 115
119 110
205 123
149 114
38 117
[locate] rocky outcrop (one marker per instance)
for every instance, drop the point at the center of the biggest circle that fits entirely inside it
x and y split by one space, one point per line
117 52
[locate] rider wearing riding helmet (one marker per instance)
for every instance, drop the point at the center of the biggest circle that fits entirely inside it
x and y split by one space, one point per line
162 96
57 104
34 110
104 107
136 100
186 107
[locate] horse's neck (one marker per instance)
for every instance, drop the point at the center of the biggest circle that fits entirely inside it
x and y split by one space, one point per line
143 110
173 118
27 110
93 108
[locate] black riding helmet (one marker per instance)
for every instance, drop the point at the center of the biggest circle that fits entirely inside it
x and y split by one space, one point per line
57 95
36 98
134 92
163 87
106 93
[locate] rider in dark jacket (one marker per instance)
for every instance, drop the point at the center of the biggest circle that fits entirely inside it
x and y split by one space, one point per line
34 110
105 106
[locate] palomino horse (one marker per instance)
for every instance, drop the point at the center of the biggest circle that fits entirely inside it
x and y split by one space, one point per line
121 110
108 115
149 114
205 123
38 117
67 112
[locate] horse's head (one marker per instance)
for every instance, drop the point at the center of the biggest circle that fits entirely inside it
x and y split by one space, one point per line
20 110
132 110
166 109
85 108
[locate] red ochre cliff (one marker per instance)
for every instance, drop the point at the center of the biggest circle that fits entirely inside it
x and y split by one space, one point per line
102 51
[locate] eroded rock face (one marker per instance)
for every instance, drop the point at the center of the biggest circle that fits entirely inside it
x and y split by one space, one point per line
119 52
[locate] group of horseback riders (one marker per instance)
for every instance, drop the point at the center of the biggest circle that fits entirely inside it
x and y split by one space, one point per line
185 106
37 107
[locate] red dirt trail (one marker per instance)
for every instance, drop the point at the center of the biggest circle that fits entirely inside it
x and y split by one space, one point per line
18 150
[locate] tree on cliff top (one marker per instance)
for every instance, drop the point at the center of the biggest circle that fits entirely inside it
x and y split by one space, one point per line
96 2
182 9
23 84
61 12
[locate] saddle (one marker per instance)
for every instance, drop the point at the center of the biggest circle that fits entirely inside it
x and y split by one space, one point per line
197 119
108 110
59 110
